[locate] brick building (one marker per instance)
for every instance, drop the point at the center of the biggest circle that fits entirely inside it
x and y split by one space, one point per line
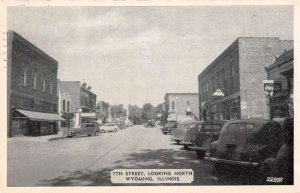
232 85
182 106
81 96
282 71
82 101
32 93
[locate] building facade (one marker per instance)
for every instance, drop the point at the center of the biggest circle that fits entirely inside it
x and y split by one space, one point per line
182 106
231 87
281 102
32 89
81 96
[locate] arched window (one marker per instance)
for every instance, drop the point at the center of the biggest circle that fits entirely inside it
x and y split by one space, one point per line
173 105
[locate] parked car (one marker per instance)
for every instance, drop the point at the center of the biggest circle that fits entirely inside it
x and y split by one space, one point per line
210 131
190 134
85 129
129 124
180 131
169 126
245 143
109 127
121 124
281 168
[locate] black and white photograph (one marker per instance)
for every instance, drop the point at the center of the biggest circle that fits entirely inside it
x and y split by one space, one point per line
164 95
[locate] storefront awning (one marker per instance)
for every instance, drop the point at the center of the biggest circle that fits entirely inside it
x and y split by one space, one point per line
39 116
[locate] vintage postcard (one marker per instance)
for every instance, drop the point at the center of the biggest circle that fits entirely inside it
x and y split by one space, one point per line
151 96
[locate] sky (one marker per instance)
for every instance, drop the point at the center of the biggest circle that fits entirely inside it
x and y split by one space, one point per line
135 55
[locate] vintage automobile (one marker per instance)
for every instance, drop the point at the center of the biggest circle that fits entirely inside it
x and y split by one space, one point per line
109 127
180 131
85 129
210 131
120 124
169 126
149 124
190 134
280 170
245 144
129 124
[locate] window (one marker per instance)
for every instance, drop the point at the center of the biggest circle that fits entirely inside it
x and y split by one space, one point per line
173 105
68 106
64 105
23 75
43 82
188 102
34 79
51 86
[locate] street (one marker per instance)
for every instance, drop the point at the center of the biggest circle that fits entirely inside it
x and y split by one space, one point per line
88 161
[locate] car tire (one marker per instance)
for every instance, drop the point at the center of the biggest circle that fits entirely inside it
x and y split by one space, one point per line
165 133
102 131
89 135
200 154
186 147
115 130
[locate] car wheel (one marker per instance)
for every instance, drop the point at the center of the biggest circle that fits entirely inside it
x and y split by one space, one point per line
115 129
186 147
97 133
200 154
165 133
89 135
102 131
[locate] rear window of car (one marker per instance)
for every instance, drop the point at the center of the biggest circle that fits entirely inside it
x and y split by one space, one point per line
212 127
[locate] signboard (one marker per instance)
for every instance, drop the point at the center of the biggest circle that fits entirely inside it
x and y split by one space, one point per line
218 93
270 86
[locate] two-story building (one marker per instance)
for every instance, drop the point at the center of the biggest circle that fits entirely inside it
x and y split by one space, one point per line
182 106
231 87
32 93
281 103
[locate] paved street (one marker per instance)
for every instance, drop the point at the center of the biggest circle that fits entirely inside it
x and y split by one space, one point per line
83 161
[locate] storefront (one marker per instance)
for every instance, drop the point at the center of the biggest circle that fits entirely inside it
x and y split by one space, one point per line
33 123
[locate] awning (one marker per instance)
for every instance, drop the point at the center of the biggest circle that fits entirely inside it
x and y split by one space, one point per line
39 116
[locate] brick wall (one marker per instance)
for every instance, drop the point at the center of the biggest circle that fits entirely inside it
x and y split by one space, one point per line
255 54
24 55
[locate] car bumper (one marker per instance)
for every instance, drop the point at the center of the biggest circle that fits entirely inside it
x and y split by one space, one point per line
231 162
186 143
176 139
195 148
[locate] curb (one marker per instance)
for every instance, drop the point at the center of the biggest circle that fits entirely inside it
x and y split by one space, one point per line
56 138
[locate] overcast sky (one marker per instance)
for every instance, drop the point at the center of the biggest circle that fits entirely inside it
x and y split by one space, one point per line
133 55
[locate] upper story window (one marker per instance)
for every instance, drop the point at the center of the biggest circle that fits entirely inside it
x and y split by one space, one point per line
34 78
51 85
64 105
68 106
24 75
188 102
43 82
173 105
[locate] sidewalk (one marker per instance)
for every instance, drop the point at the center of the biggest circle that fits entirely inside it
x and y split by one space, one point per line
45 138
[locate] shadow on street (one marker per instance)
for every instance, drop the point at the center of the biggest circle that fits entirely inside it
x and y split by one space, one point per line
204 173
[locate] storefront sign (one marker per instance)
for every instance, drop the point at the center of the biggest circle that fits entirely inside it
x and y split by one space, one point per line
218 93
270 86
